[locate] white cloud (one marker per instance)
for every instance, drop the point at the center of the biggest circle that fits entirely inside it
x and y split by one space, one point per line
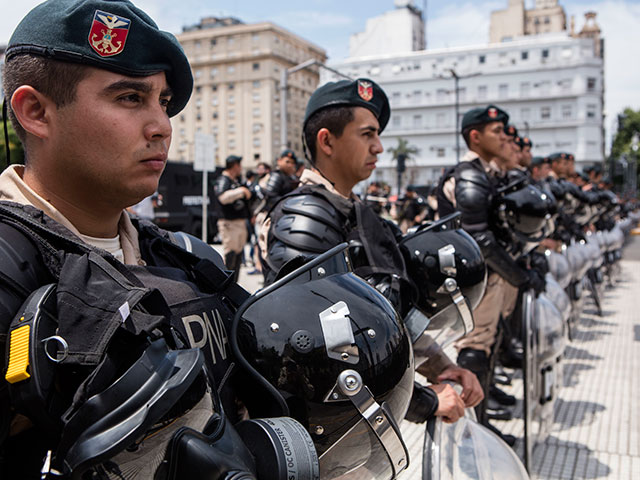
311 19
461 24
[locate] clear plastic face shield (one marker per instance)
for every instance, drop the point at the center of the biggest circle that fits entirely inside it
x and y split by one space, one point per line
371 445
373 448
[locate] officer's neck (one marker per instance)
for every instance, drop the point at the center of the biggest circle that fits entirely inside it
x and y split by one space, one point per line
482 153
331 171
88 217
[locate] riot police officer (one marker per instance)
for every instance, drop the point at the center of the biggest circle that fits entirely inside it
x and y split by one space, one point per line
470 187
341 130
233 197
282 180
130 313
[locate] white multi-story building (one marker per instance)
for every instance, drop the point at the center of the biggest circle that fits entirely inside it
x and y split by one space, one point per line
552 86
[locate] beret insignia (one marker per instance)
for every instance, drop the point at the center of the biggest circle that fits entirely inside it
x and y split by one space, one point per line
365 90
108 33
492 113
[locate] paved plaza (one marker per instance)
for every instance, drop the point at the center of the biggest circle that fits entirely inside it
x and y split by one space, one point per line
596 434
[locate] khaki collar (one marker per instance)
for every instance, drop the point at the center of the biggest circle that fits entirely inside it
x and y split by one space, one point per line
312 177
13 189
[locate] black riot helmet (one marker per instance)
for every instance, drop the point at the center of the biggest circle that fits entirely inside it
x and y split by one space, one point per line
339 358
522 217
448 268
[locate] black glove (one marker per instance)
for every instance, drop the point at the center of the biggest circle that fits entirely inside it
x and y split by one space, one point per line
539 262
536 281
424 404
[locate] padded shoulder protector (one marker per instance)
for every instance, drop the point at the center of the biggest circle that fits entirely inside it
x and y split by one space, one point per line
309 223
474 196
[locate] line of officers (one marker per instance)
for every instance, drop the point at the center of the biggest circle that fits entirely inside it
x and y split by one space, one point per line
554 206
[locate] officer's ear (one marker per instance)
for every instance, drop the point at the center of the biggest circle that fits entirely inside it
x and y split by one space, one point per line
474 136
324 141
33 110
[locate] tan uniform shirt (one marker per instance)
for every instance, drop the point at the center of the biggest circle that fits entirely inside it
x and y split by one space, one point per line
13 189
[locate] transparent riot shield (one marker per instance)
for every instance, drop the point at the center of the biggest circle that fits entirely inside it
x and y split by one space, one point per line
465 450
545 337
528 372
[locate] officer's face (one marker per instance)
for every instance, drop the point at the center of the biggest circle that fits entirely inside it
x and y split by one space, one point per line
493 140
525 159
357 149
512 154
287 165
110 145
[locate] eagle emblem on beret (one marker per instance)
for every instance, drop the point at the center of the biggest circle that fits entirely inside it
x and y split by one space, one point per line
365 90
108 33
492 113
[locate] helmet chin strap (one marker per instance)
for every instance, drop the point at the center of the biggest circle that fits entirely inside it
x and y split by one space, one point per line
6 132
349 386
451 287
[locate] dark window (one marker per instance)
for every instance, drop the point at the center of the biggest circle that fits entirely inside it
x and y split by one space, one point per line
481 59
525 55
256 66
230 86
198 88
591 84
214 88
545 53
213 41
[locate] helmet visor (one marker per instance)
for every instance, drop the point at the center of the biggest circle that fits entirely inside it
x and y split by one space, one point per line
359 454
141 460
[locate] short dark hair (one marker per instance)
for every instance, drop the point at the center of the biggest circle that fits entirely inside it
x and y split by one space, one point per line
53 78
467 132
333 119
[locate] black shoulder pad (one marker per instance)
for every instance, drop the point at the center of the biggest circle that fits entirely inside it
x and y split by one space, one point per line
309 223
473 198
196 246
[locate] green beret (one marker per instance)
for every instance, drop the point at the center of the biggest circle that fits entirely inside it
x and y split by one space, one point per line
554 157
109 34
511 131
358 93
525 142
537 161
482 116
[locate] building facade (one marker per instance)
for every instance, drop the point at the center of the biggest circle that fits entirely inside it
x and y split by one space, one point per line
397 31
515 21
237 69
552 85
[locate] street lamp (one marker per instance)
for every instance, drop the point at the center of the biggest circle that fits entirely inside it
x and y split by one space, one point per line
283 92
457 79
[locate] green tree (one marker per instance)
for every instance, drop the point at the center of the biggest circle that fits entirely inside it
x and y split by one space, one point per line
17 151
623 143
628 125
401 153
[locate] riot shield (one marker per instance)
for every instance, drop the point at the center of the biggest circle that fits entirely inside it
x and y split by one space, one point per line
465 450
544 329
529 374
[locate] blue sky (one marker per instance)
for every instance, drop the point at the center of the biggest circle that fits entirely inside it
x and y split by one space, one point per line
329 23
